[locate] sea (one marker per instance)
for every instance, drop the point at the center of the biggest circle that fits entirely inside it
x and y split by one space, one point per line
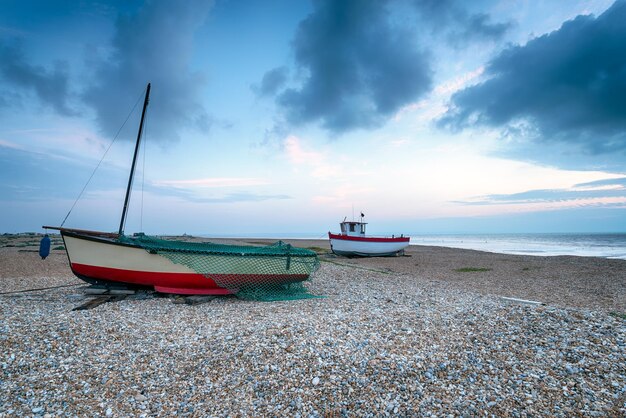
586 245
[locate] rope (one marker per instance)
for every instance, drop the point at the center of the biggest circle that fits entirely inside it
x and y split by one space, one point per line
41 288
101 159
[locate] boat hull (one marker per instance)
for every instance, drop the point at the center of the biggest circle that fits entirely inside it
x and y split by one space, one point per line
99 260
351 246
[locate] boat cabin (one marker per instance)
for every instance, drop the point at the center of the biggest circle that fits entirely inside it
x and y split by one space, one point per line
353 228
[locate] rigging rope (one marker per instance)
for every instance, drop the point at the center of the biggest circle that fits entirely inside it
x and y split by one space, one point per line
101 159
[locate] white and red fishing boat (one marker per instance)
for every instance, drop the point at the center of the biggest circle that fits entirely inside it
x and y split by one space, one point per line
352 242
180 267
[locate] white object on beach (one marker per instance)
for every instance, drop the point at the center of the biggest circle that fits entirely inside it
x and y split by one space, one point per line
522 301
352 241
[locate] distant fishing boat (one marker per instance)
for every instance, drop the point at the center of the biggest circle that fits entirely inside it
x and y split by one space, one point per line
179 267
352 242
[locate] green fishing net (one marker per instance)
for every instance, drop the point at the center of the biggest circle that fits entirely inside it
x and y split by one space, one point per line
268 273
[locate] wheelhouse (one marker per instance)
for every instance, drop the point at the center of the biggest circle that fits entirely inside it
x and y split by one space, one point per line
353 228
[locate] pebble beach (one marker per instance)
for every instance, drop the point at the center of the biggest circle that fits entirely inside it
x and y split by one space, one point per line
426 334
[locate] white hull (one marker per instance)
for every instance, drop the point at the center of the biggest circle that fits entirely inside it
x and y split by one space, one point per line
102 254
367 248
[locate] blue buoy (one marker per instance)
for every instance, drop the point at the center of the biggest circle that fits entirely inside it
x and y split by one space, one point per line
44 247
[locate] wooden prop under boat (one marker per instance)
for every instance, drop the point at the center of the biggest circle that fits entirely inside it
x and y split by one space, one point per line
179 267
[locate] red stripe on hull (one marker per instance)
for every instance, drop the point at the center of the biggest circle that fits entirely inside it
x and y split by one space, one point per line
367 239
183 283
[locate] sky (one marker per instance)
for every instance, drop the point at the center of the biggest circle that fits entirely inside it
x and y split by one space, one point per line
284 117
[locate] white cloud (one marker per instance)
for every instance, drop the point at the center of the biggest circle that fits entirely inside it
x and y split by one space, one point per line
448 87
302 157
431 108
213 182
9 144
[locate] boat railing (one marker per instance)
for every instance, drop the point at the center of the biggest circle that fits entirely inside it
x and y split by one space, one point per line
83 231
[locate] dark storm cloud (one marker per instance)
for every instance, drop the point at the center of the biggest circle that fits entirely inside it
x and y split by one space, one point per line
272 81
154 45
566 86
479 26
456 23
358 67
49 85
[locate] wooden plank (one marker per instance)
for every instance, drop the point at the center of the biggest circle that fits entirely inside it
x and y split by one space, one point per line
107 290
122 291
196 300
522 301
178 299
96 290
192 299
99 301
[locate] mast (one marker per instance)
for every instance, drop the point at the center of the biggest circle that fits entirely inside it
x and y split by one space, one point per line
132 168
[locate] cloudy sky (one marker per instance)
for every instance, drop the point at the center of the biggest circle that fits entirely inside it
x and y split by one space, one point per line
283 116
